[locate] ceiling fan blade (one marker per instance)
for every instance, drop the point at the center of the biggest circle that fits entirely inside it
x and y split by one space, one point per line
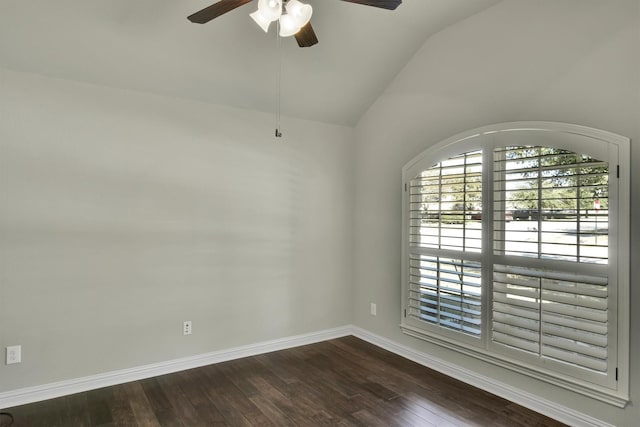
220 8
306 37
384 4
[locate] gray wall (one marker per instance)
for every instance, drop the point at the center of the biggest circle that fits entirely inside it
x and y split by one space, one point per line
574 61
124 214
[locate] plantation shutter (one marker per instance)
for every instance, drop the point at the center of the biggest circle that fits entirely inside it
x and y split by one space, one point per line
553 315
446 292
558 192
542 305
445 217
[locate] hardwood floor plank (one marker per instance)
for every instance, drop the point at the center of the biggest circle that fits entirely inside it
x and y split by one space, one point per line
179 403
271 411
75 410
195 385
435 417
294 407
121 410
324 388
344 382
241 372
142 409
98 402
234 406
368 419
155 395
277 364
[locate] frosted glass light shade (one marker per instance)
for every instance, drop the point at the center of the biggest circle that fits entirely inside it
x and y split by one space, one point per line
300 12
288 26
270 9
260 20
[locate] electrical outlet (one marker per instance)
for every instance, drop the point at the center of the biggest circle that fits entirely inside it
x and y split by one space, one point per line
186 327
373 309
14 354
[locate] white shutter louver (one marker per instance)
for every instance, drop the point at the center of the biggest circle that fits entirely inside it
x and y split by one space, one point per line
445 205
551 315
559 200
446 292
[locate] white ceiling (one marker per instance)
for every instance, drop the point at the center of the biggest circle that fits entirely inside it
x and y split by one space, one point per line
149 45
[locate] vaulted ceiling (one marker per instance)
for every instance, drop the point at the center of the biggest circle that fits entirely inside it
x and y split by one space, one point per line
149 45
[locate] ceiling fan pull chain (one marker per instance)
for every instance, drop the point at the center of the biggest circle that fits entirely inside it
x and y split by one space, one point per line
278 132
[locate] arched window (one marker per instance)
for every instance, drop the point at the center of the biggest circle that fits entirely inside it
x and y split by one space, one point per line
515 250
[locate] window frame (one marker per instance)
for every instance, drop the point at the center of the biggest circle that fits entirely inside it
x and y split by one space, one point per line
602 144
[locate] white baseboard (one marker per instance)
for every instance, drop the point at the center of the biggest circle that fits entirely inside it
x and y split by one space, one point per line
521 397
63 388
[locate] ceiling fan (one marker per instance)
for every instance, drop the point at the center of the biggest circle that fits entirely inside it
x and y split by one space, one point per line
292 15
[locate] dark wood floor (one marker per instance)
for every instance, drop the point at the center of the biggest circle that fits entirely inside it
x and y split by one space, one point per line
342 382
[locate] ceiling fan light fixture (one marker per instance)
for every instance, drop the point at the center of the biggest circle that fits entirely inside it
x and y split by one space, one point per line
300 12
270 9
260 20
288 26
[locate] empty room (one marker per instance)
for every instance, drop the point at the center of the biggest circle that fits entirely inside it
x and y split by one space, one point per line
319 212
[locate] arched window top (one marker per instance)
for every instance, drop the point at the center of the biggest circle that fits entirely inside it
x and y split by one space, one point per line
579 139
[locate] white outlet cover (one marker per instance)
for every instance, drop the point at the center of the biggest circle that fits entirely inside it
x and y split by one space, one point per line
186 327
14 354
